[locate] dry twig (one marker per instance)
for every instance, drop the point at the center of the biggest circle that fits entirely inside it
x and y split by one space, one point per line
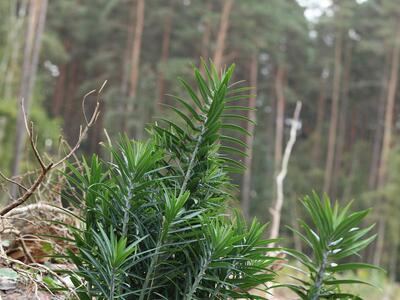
45 169
40 269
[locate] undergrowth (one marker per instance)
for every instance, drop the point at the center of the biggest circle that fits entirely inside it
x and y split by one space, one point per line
155 221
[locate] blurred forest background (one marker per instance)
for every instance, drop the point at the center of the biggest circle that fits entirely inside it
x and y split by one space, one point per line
339 57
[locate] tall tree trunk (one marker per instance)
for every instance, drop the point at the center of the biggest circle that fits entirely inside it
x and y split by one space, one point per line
37 18
205 40
3 123
9 62
25 77
270 133
316 152
334 113
95 136
386 143
355 162
160 85
376 152
58 98
394 256
126 65
294 216
250 139
71 100
342 119
135 57
280 117
222 32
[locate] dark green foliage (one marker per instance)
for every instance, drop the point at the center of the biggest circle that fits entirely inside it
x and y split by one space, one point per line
155 222
336 235
154 216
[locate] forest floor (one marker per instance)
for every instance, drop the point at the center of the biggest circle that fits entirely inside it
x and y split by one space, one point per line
15 287
26 271
28 292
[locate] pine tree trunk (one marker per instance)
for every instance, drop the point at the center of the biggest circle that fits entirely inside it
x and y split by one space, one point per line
37 18
205 40
386 143
294 216
246 185
342 120
334 114
222 32
393 257
280 117
126 65
270 135
135 58
95 135
71 100
355 158
58 98
316 152
160 85
376 152
3 123
25 77
10 68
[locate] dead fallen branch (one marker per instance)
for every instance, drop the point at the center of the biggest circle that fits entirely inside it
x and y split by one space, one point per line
32 207
24 271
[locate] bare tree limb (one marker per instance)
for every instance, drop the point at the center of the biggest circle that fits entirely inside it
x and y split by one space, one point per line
10 180
45 169
27 253
29 130
276 211
27 193
42 269
89 123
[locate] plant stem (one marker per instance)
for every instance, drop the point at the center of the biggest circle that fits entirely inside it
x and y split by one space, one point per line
191 163
126 212
112 287
198 279
164 230
219 286
320 277
153 263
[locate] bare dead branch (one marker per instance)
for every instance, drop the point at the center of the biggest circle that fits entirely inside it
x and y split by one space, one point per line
276 211
89 124
34 148
12 181
35 206
45 169
59 278
27 193
29 130
65 143
39 268
83 105
27 253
